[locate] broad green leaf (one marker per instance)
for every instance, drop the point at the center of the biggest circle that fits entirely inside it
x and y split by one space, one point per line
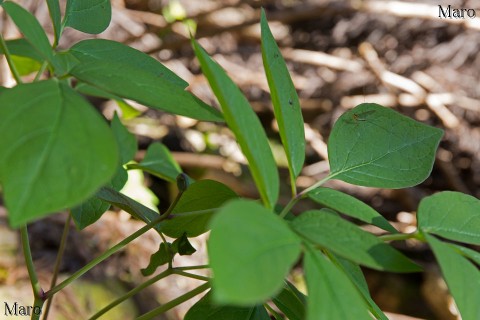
55 150
134 83
25 65
56 17
128 112
291 302
331 294
206 309
89 16
129 205
462 277
30 27
374 146
206 195
285 102
353 271
163 255
350 206
126 141
159 162
452 215
21 47
326 229
63 63
91 210
251 251
108 50
3 89
246 126
468 253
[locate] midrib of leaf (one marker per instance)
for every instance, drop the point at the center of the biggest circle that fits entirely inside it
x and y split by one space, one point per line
42 159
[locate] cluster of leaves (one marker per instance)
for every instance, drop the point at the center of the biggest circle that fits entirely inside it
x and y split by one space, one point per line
57 152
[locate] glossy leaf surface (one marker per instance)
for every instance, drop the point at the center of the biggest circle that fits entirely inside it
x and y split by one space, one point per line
326 229
331 294
285 101
462 277
89 16
134 83
374 146
246 126
107 50
206 195
30 27
251 250
158 161
41 170
452 215
350 206
207 309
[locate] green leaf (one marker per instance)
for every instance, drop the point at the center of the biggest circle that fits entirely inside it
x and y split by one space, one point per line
206 195
91 210
462 277
55 15
89 16
21 47
63 62
350 206
139 85
126 141
246 126
206 309
355 274
163 255
128 112
285 102
331 294
107 50
468 253
182 246
129 205
31 29
326 229
25 66
251 250
452 215
291 302
159 162
374 146
55 150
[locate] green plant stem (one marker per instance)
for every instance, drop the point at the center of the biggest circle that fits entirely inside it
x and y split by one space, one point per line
289 206
303 194
131 293
37 289
111 251
316 185
190 275
104 256
58 261
203 266
39 296
175 302
11 65
41 71
399 236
